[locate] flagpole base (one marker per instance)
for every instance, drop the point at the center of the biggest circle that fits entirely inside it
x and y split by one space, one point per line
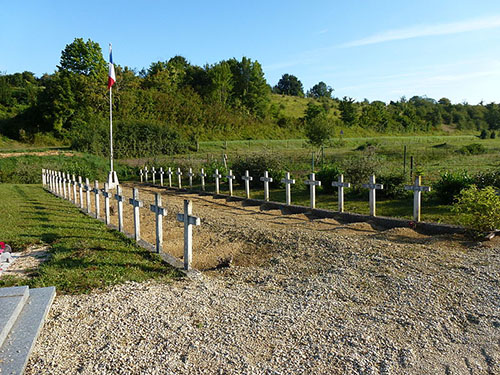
112 180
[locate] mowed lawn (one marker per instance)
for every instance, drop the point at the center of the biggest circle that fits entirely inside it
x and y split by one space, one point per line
84 253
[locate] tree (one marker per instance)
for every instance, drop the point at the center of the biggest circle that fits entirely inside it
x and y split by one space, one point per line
319 130
347 111
222 81
320 90
83 58
289 85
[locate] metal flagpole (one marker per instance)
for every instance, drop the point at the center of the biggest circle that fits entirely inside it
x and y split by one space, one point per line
111 128
112 179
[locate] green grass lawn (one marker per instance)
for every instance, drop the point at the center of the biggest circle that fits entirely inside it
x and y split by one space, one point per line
84 253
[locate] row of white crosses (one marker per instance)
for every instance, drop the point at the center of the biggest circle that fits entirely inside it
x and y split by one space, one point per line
59 183
372 186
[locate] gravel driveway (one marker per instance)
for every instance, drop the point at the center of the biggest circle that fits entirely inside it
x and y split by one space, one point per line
302 296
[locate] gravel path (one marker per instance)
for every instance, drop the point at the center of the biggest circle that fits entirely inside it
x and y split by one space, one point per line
301 297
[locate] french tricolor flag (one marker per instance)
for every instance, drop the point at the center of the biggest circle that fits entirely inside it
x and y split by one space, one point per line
111 75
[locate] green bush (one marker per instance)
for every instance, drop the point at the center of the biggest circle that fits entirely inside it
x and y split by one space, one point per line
256 165
472 149
478 210
327 175
451 184
484 134
394 186
358 169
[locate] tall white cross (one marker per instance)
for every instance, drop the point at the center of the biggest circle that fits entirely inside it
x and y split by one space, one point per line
73 181
59 184
230 179
146 173
68 179
417 196
169 174
190 175
340 184
202 176
216 175
96 192
188 221
141 173
179 177
119 199
80 191
288 193
373 188
153 173
64 185
106 194
247 178
159 212
266 179
88 189
134 201
43 177
161 176
312 188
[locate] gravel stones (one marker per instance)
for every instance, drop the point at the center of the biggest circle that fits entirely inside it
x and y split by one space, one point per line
326 299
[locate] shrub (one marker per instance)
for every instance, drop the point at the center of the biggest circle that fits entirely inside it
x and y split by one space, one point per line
358 169
472 149
256 165
484 134
394 186
489 178
370 145
450 184
478 210
327 175
493 135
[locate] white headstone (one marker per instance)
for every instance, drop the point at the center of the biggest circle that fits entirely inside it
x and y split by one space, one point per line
161 176
179 178
202 176
153 174
146 173
169 174
288 193
106 194
216 175
373 188
88 189
119 199
266 179
188 221
312 188
141 173
417 189
247 178
80 191
340 187
190 175
230 179
134 201
96 192
159 212
73 181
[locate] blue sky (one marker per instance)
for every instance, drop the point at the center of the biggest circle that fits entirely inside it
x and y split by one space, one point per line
379 50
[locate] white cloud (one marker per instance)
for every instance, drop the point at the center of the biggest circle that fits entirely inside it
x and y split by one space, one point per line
428 30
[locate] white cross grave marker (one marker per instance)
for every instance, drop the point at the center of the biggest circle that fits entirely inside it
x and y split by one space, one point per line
141 173
59 184
169 173
202 176
119 199
87 192
288 181
179 177
159 213
106 194
217 176
95 190
190 175
417 196
64 185
134 201
247 178
188 221
340 187
153 173
266 179
68 179
161 176
73 180
146 173
230 179
312 188
373 188
80 191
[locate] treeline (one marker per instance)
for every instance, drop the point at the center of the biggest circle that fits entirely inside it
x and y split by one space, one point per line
172 104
